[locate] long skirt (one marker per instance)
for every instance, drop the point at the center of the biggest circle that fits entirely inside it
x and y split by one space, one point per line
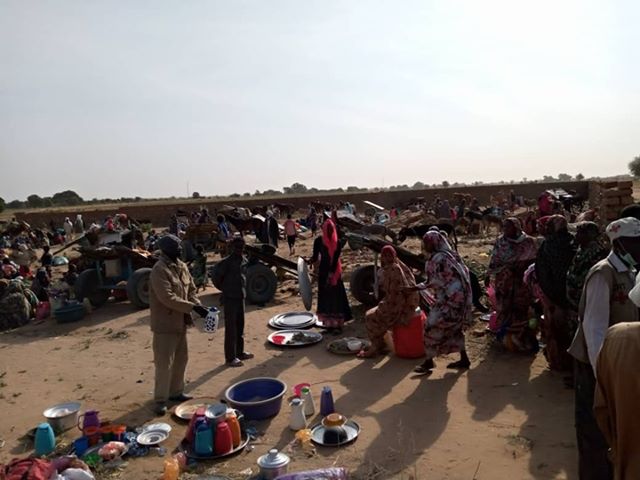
333 305
443 332
557 329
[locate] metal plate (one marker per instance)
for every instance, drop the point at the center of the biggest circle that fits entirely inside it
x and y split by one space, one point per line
239 448
152 437
185 410
164 427
351 427
304 284
293 320
284 338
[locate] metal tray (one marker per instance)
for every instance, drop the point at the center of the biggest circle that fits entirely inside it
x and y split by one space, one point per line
293 320
185 410
288 335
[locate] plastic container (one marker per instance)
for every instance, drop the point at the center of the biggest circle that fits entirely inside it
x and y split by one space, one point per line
106 432
45 441
93 434
408 339
326 402
171 469
234 426
309 407
257 398
70 313
297 420
273 464
224 439
118 432
203 445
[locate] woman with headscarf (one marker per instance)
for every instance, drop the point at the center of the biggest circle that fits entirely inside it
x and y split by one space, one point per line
395 307
447 279
552 262
591 250
512 254
40 284
15 309
333 304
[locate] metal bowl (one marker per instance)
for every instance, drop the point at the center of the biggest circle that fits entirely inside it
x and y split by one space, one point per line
63 416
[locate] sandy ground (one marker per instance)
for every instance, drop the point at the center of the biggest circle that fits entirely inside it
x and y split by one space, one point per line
508 417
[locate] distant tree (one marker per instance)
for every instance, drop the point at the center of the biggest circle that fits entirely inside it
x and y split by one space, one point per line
313 190
272 193
47 202
14 204
445 184
564 177
579 177
548 178
634 166
524 180
246 194
195 195
295 188
67 198
2 204
257 193
352 188
418 186
234 195
34 201
137 199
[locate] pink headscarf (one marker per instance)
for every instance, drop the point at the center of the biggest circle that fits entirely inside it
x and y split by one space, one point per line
330 240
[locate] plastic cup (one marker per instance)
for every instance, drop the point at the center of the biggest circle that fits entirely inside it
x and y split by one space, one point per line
106 432
118 432
81 445
93 434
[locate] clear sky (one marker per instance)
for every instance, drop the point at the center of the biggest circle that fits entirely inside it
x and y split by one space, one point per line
126 98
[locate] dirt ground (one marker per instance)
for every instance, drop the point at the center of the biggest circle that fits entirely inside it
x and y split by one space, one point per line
508 417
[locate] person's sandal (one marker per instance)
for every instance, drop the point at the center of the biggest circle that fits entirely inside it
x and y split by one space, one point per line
236 362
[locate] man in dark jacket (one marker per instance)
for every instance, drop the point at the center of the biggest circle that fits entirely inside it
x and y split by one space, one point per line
230 277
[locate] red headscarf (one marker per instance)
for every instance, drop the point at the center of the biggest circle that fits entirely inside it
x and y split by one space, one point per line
330 240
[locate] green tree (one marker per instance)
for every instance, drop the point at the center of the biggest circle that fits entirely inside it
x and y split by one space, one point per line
67 198
15 204
195 195
579 177
34 201
445 184
418 186
634 166
296 188
564 177
2 204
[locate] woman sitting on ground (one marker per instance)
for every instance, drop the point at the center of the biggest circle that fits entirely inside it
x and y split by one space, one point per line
395 307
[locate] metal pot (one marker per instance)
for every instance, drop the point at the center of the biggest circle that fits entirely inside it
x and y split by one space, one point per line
63 416
273 464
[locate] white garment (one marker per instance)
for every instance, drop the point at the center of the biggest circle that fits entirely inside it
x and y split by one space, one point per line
596 312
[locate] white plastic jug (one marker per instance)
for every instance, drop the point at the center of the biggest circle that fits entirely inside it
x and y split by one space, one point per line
210 323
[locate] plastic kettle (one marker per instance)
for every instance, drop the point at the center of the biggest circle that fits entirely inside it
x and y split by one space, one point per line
91 419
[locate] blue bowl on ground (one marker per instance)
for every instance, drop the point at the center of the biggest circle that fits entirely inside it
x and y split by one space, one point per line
70 313
257 398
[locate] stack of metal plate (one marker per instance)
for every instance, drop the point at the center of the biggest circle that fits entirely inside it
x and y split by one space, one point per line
293 320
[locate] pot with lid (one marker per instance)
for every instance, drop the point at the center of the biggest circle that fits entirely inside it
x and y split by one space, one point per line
273 464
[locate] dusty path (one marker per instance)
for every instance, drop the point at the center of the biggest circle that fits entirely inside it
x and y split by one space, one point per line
506 418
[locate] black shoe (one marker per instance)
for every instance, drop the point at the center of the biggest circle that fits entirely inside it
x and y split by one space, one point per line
160 409
180 398
245 356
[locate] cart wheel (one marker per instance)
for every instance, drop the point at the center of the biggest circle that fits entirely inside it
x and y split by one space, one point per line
261 284
87 286
138 288
362 284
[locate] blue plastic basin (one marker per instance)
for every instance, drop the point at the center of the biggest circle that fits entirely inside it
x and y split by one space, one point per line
257 398
70 313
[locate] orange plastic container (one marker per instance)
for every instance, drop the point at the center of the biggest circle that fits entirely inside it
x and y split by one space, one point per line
408 339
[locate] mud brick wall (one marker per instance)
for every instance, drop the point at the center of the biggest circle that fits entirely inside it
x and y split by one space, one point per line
159 213
611 198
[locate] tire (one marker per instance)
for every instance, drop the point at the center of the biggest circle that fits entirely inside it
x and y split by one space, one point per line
362 283
138 288
87 286
188 252
261 284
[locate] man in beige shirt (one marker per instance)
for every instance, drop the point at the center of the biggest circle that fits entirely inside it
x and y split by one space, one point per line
172 298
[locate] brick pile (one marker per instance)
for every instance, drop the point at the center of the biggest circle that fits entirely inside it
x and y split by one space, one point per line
613 197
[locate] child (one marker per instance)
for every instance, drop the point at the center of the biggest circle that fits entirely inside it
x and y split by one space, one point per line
199 269
291 232
47 259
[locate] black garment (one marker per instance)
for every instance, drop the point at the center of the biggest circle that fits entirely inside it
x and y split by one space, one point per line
552 263
230 277
47 259
332 299
291 240
233 328
593 462
272 231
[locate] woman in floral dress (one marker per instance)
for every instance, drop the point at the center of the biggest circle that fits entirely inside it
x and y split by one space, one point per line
447 280
395 307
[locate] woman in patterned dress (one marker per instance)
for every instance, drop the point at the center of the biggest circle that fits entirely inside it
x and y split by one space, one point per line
395 307
447 279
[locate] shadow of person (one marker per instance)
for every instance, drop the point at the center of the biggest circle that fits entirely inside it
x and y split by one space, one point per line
504 380
399 443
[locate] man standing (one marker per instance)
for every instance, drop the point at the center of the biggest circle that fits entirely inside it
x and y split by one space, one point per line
172 297
604 302
230 277
618 395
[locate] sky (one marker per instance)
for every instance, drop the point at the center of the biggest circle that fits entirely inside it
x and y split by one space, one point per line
157 98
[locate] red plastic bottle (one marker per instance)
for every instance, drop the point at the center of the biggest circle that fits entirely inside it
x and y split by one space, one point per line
224 439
